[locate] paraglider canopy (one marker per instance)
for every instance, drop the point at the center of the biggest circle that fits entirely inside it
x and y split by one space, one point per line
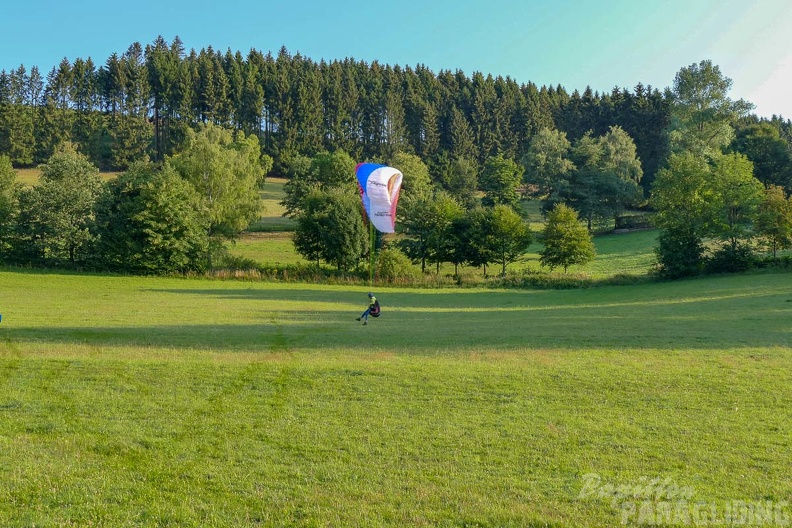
379 190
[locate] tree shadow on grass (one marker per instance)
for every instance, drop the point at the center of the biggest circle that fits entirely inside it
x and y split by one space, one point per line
437 328
741 312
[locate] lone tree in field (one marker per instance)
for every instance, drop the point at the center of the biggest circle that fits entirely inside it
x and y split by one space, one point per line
510 236
566 240
330 227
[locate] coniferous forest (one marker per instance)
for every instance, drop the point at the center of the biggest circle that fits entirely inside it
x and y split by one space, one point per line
140 102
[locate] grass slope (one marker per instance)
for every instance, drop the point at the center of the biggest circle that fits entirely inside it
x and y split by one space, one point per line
153 401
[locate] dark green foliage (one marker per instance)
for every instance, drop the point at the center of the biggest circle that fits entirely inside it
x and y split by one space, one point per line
596 176
680 253
416 178
731 259
510 236
226 170
487 235
321 195
57 216
308 233
695 199
394 266
774 219
18 115
644 114
344 236
475 239
770 154
500 179
682 197
736 198
330 228
459 177
9 205
141 102
633 221
547 166
148 101
152 221
324 172
427 225
702 111
460 241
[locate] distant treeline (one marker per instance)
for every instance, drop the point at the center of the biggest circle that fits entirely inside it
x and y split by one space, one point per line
141 102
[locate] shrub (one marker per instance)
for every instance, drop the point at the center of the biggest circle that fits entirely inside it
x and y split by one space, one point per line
731 259
633 221
394 266
679 254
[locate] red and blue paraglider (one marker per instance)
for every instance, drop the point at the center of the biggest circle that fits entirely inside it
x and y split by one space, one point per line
379 191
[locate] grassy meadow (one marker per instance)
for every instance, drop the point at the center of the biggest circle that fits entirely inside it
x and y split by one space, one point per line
129 401
272 219
152 401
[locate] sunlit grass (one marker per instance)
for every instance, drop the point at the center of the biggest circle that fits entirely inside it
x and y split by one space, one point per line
131 401
272 218
630 253
30 176
266 248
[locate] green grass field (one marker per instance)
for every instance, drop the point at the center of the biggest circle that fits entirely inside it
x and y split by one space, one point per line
28 177
131 401
272 218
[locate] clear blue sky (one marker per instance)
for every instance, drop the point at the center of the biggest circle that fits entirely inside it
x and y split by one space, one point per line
575 43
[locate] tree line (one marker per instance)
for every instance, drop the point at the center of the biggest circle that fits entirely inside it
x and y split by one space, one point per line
141 102
720 196
455 138
172 217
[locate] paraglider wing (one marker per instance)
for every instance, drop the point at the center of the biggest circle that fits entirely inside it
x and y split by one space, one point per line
379 190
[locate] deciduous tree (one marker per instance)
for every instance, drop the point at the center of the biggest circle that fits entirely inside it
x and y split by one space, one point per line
9 204
547 165
702 112
510 236
57 216
567 242
737 198
152 221
774 221
227 172
330 227
500 180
